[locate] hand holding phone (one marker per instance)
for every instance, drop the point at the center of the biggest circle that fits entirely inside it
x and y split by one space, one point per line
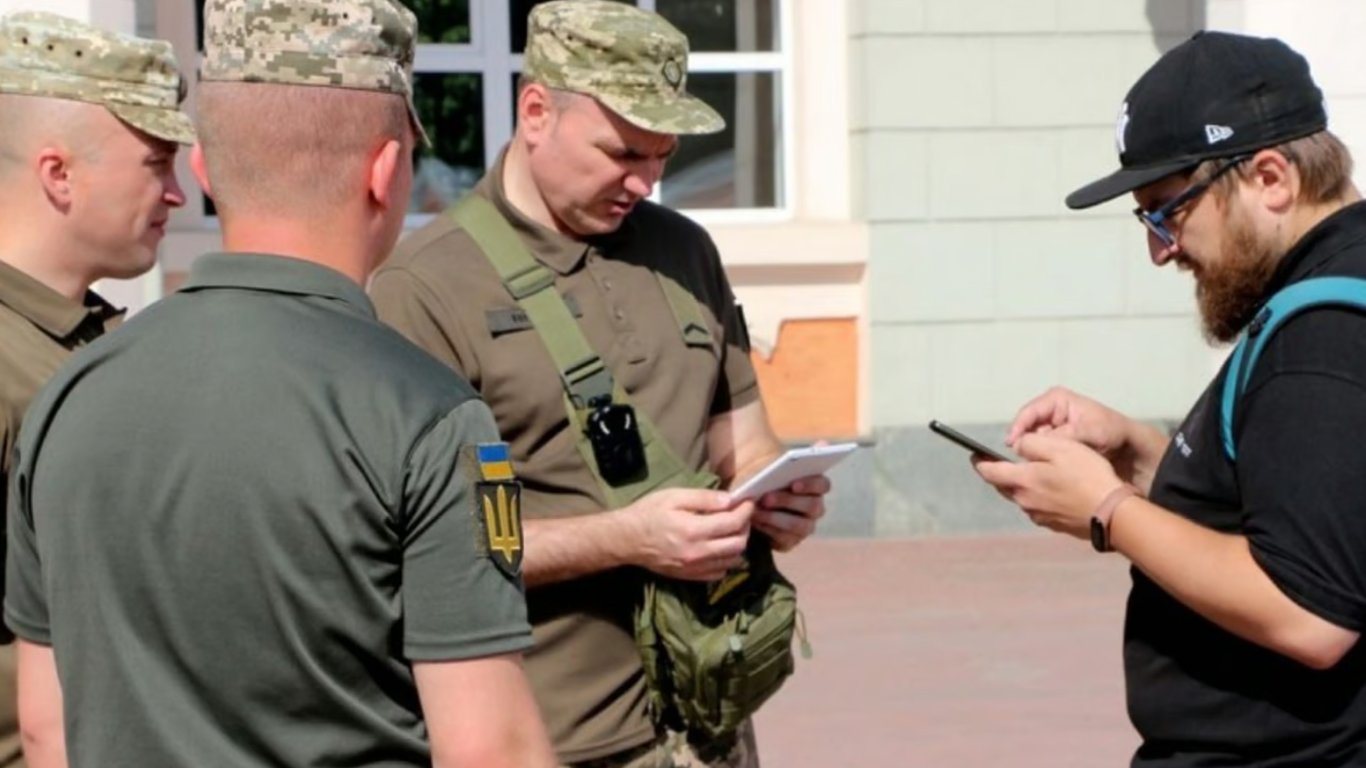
945 431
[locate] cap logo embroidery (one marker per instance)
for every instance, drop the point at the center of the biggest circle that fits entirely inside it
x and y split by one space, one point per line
1217 133
1122 127
673 74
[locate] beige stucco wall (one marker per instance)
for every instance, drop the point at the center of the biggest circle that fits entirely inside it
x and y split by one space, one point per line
972 122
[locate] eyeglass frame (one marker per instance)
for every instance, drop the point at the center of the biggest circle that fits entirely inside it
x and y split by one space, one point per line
1156 221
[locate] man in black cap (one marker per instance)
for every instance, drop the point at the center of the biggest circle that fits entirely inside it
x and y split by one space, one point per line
1246 533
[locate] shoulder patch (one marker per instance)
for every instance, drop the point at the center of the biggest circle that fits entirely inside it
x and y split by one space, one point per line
499 499
501 512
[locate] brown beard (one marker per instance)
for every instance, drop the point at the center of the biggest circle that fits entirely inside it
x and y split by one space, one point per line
1231 289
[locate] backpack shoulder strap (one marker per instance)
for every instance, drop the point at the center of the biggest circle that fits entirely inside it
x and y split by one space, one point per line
586 378
1285 304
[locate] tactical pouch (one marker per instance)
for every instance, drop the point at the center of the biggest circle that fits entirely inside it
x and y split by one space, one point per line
712 661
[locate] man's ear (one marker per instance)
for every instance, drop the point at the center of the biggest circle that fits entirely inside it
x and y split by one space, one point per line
54 173
535 112
1277 180
200 168
383 170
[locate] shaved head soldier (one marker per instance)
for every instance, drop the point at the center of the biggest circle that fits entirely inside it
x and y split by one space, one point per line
308 551
89 128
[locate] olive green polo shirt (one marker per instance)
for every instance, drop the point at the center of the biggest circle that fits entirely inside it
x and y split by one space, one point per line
241 518
39 328
440 291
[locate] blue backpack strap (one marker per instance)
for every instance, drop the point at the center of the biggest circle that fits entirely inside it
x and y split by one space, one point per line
1285 304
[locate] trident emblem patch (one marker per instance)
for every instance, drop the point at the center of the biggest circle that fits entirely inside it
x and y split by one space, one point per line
500 497
503 524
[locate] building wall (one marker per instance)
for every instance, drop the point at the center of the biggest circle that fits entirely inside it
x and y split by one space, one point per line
972 121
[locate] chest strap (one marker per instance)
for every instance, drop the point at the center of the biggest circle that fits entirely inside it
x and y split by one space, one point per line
586 379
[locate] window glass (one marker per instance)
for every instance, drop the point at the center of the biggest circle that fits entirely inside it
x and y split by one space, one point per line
442 21
451 107
740 167
724 25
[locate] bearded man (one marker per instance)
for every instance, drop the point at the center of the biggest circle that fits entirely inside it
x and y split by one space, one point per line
1246 534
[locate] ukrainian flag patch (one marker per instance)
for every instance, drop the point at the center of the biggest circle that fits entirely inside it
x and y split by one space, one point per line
495 465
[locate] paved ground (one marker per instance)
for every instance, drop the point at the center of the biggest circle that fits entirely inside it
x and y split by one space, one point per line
968 652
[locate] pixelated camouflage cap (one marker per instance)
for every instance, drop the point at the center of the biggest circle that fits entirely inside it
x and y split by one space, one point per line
632 61
43 54
365 45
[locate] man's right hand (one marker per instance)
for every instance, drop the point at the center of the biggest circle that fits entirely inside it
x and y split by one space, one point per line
687 533
1134 449
1071 415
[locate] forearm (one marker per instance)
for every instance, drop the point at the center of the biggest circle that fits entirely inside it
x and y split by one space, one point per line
1215 575
1144 447
739 444
41 729
562 549
481 713
522 745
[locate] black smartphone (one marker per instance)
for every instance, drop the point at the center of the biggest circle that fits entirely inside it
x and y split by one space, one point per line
944 430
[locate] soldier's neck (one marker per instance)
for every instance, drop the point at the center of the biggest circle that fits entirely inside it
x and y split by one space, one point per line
346 254
49 264
520 190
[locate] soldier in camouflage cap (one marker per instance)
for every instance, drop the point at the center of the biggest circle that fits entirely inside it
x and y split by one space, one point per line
566 210
89 130
633 61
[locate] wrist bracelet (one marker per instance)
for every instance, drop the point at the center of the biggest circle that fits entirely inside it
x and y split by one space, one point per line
1100 520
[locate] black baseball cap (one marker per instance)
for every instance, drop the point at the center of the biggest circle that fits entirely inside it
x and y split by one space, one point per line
1215 95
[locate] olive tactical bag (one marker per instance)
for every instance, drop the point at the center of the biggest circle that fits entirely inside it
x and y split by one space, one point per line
711 659
712 653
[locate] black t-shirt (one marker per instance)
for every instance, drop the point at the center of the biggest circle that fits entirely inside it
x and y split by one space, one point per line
1198 695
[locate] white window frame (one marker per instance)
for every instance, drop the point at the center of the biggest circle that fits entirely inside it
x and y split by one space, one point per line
488 54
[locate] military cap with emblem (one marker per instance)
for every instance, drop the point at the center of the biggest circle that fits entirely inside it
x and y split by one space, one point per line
47 55
632 61
365 45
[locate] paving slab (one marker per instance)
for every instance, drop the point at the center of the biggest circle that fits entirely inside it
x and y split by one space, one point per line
946 652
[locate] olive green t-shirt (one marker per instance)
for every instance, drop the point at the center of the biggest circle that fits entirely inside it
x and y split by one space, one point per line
440 291
39 328
240 519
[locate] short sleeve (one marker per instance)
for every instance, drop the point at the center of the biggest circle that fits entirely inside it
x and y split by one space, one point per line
739 384
1302 473
458 603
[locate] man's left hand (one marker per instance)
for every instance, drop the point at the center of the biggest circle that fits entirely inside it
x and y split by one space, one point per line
789 516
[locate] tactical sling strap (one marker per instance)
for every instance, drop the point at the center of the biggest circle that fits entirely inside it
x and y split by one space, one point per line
1288 302
585 377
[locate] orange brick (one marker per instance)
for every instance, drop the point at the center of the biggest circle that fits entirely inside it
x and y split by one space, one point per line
810 385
